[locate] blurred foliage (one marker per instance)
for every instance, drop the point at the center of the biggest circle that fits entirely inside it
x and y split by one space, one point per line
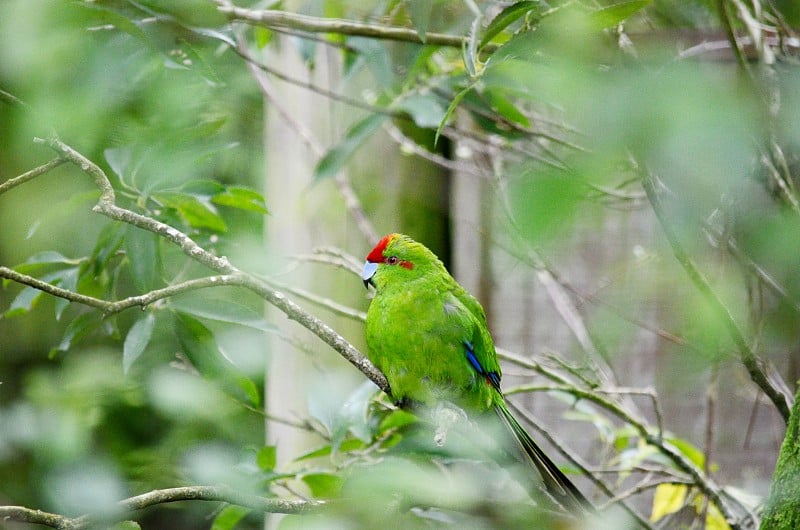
94 409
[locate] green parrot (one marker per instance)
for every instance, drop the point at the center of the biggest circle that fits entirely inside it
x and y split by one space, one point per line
429 336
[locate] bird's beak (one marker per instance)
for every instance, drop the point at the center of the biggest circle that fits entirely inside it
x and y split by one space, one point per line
368 272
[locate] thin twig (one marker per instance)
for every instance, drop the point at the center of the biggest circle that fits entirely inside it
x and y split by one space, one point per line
33 173
349 196
751 362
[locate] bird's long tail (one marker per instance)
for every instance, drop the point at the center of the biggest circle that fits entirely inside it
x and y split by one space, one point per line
556 483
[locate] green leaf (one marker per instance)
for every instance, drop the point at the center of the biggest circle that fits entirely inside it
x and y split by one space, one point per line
229 517
323 485
335 159
137 339
689 451
48 257
420 13
352 416
125 525
426 110
24 302
195 212
144 257
202 188
471 48
267 457
450 109
108 242
67 279
221 310
263 36
78 328
505 18
610 16
42 261
545 202
199 346
504 107
395 420
119 160
350 444
241 198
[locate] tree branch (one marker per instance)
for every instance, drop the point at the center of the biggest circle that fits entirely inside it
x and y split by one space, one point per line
749 359
188 493
270 18
33 173
230 274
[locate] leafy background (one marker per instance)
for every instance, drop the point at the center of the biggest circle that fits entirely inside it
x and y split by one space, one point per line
522 151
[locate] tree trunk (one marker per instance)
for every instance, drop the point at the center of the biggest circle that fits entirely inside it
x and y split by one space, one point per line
782 511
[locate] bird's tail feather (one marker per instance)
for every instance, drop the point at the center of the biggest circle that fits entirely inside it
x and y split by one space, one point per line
556 483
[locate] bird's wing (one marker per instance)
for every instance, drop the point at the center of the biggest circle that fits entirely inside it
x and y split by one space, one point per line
478 345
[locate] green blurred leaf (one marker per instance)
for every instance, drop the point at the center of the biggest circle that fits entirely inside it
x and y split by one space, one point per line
144 258
195 212
471 47
24 302
267 457
200 347
350 444
323 485
125 525
221 310
120 160
241 198
108 243
545 202
28 297
42 261
505 18
450 110
47 257
425 109
397 418
78 328
420 13
337 157
610 16
263 36
352 416
67 279
229 517
204 188
689 451
137 339
505 108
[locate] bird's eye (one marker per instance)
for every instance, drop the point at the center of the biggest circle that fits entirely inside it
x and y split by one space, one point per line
391 260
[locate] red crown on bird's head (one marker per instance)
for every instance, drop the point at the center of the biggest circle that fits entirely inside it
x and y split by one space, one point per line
376 255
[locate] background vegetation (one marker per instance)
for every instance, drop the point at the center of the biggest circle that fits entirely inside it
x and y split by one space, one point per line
616 182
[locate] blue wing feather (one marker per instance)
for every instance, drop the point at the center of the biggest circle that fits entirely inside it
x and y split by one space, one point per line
492 377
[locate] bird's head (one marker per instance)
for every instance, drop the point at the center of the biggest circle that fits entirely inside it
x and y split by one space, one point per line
396 258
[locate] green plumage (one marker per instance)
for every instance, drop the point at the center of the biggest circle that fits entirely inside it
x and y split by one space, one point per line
430 338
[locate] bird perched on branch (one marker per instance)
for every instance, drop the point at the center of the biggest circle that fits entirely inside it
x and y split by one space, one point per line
429 336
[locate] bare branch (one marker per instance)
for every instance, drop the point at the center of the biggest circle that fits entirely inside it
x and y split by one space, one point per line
188 493
28 515
750 360
270 18
28 175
